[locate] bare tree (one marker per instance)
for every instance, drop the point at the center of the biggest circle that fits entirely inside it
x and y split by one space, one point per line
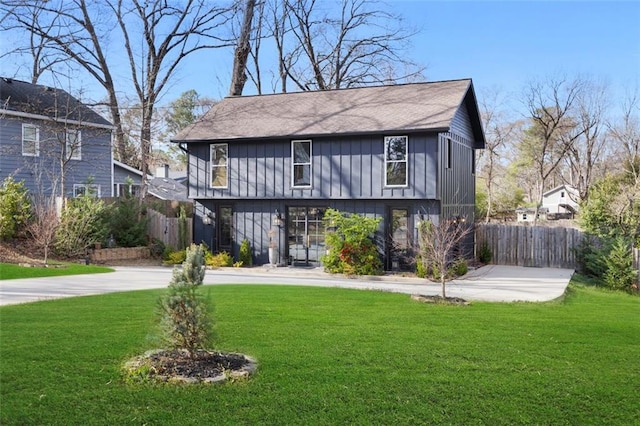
499 133
42 58
319 48
169 33
626 133
441 245
585 155
243 48
44 223
550 104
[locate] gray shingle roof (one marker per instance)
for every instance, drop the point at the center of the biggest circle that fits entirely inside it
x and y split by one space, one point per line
23 97
406 107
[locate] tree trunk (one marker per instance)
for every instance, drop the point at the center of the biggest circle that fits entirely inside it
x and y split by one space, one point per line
239 76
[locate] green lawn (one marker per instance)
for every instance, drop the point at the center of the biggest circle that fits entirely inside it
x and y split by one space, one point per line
10 271
333 356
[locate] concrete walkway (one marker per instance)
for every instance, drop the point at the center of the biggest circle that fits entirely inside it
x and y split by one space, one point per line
489 283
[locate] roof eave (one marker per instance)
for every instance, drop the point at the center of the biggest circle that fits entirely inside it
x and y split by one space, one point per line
314 135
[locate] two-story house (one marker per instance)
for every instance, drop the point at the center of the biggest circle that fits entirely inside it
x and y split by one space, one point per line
53 142
265 168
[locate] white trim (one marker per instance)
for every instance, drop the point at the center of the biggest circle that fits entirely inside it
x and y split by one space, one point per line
294 164
127 168
76 153
211 165
5 112
405 161
84 185
37 141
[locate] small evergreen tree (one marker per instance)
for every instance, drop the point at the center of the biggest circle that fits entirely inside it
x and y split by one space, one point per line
620 274
185 320
245 253
128 221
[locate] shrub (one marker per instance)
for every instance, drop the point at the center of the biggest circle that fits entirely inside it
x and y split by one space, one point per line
218 260
620 274
421 269
459 268
128 222
183 231
185 319
244 255
591 255
83 223
484 253
157 248
352 250
174 257
14 207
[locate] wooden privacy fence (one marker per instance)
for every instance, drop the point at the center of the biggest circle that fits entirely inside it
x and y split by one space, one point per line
537 246
167 229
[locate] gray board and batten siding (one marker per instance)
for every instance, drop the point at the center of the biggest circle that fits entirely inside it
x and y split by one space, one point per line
347 130
52 111
42 172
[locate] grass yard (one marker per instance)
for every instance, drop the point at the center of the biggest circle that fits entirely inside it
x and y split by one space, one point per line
333 356
10 271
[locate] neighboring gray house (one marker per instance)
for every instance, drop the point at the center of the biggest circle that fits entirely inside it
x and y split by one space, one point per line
266 167
50 140
160 186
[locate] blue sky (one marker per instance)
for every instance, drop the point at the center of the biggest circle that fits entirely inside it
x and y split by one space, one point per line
500 44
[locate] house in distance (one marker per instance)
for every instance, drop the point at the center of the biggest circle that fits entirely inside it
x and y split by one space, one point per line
265 168
53 142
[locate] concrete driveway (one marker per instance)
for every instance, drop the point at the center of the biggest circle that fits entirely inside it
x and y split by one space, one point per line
489 283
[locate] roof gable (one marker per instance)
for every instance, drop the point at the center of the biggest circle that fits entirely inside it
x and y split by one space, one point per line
377 109
30 99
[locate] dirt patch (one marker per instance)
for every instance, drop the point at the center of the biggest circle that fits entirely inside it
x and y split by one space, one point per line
20 252
439 300
176 366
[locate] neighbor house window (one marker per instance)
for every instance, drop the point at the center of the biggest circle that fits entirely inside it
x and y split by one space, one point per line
449 153
80 189
301 163
124 189
73 144
30 140
395 160
219 165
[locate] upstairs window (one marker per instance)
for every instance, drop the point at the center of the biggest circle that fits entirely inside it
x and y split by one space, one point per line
219 165
395 160
73 144
301 163
30 140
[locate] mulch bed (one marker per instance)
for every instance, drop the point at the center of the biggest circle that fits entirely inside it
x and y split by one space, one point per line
178 366
439 299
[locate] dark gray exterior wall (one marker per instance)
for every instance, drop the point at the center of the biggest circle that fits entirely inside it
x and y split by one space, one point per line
346 167
253 219
95 157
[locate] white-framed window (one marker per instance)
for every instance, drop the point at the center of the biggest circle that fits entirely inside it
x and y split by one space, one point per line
124 189
30 140
80 189
219 165
396 150
301 164
73 144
